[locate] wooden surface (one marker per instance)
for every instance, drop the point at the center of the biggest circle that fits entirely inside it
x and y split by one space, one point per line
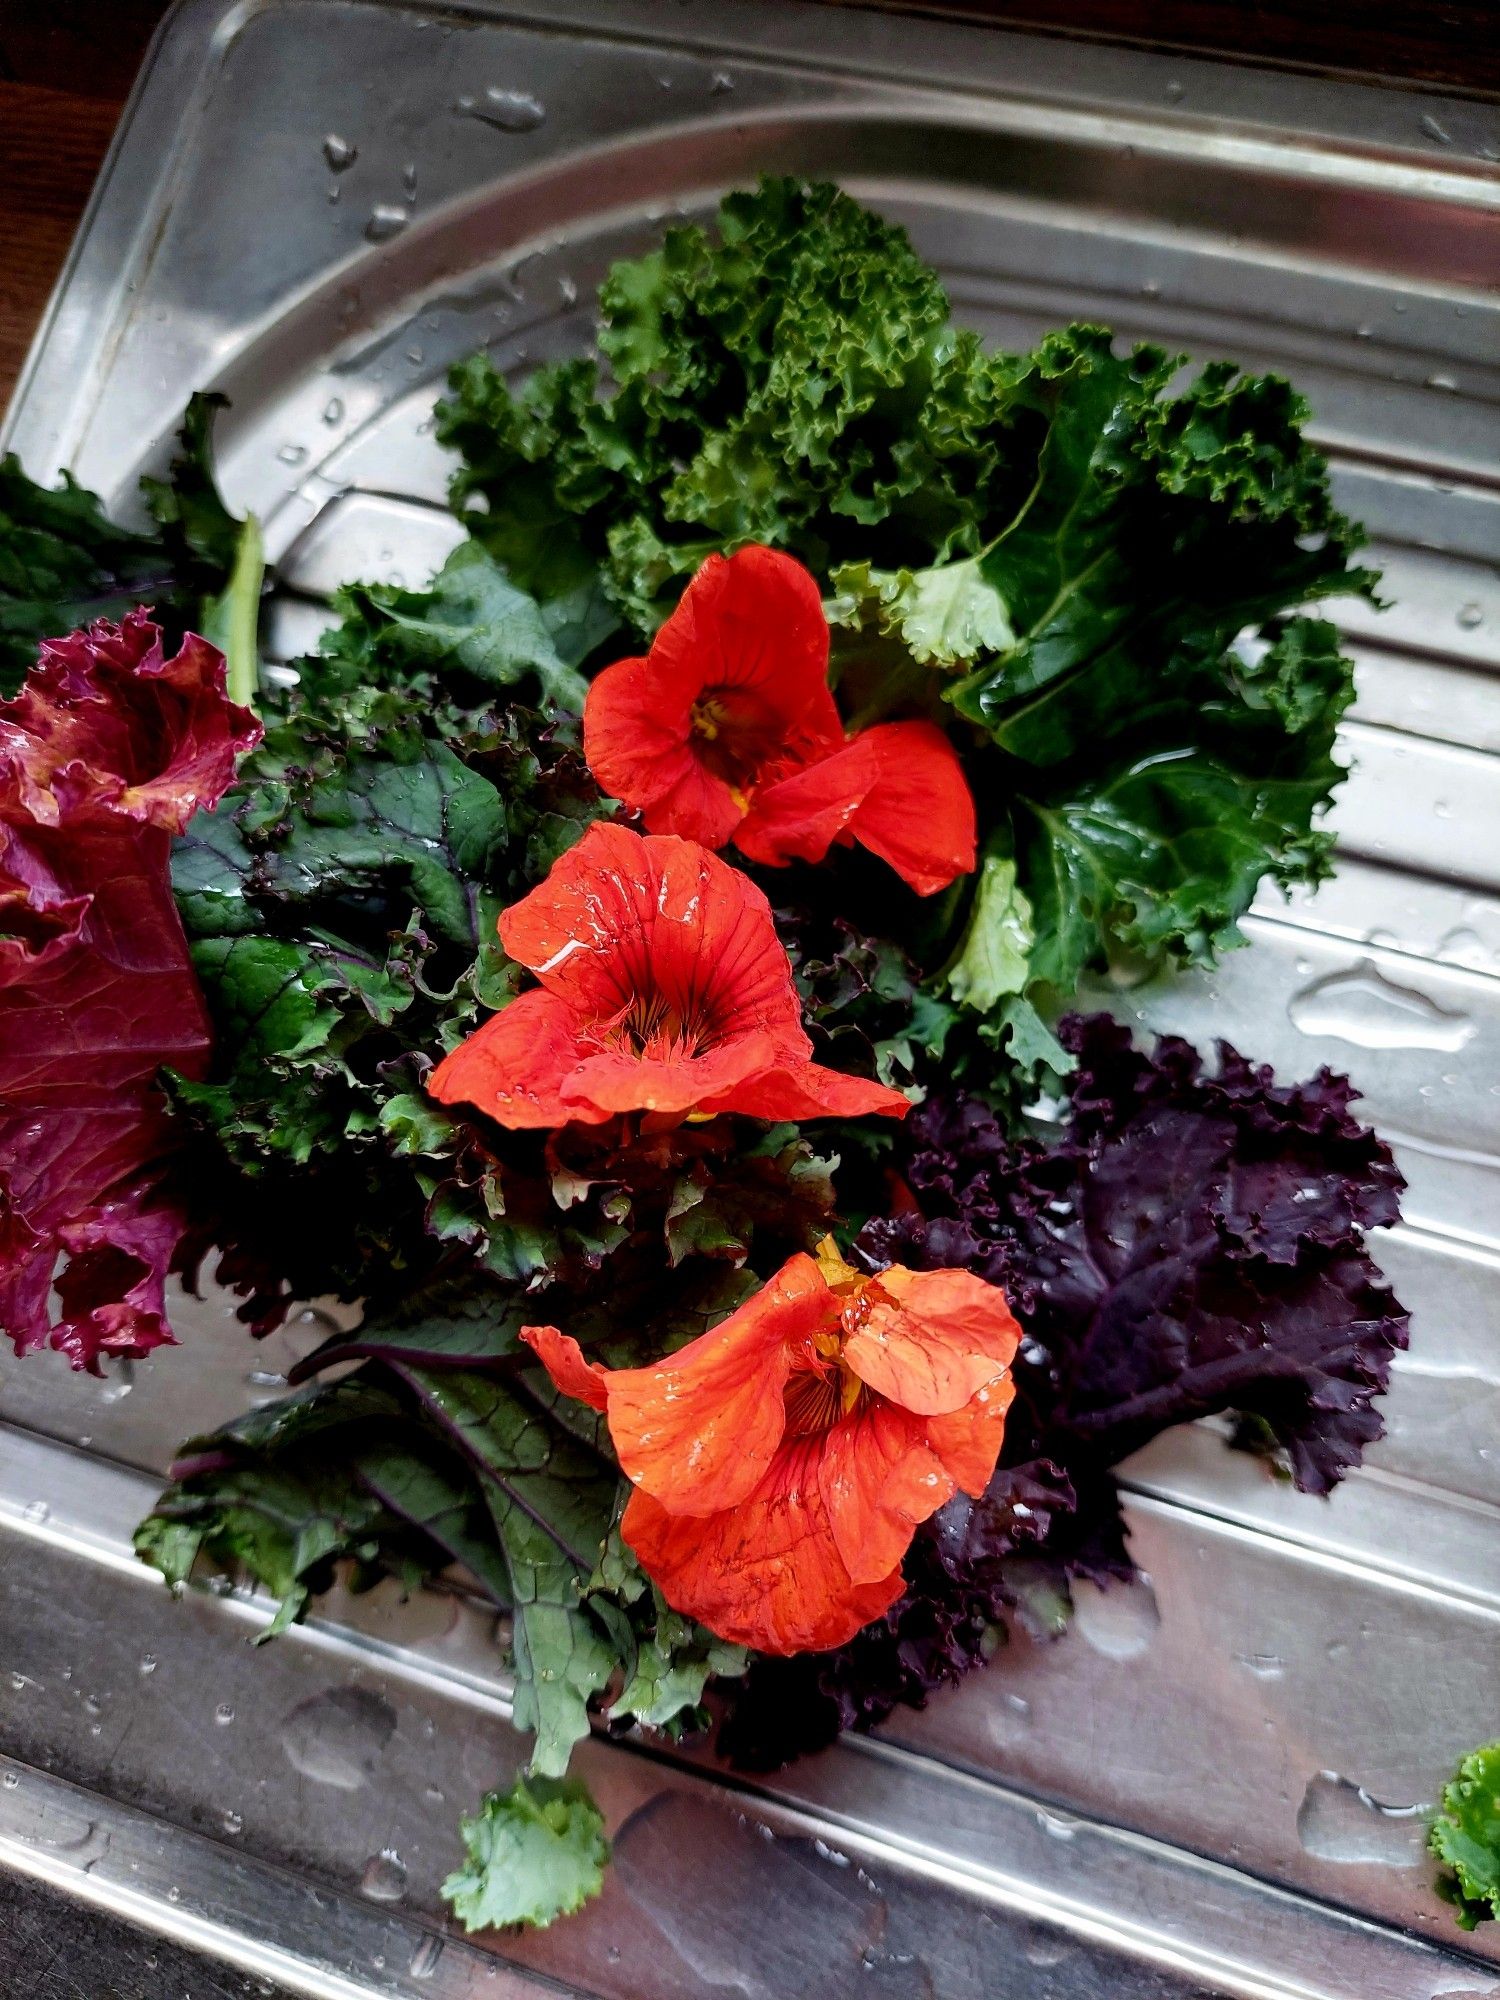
66 68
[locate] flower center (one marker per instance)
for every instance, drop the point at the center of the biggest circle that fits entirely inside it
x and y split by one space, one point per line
823 1389
653 1028
820 1393
731 737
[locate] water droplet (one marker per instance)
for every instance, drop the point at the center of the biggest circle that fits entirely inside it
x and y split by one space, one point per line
1044 1953
1364 333
10 1781
387 219
92 1705
338 1738
224 1714
1435 131
333 411
1364 1007
1264 1666
831 1854
1120 1622
1010 1719
567 290
64 1832
36 1511
1445 382
505 110
148 1663
1340 1821
233 1823
1469 616
1174 91
409 179
1057 1826
292 454
671 1850
339 153
720 83
384 1877
425 1959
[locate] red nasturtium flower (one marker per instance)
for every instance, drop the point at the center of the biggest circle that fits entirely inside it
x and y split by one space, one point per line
726 731
664 988
781 1463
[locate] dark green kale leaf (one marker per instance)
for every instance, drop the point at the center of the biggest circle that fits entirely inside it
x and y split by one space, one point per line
473 618
62 565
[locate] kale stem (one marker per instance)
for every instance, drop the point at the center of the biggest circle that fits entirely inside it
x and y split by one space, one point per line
236 616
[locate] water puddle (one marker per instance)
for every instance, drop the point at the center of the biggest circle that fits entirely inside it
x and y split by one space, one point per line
1366 1008
1339 1821
339 1737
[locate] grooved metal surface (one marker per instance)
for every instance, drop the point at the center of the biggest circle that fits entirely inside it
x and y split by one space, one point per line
1216 1783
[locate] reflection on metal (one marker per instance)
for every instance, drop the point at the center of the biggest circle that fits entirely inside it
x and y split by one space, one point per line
1213 1786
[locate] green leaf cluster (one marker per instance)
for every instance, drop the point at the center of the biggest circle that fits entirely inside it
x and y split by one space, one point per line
341 906
447 1452
1090 562
63 564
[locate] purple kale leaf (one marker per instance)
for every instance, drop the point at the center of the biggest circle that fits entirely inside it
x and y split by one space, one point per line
1193 1243
1190 1243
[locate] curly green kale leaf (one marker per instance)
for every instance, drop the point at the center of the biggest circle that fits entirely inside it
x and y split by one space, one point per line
793 380
535 1853
1466 1838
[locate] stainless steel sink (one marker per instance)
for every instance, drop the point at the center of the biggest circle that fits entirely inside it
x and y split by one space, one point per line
1216 1783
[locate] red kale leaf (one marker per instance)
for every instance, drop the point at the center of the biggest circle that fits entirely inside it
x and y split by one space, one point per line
104 755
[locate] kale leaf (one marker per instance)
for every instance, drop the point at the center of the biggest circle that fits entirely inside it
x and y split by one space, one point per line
1187 1244
1466 1838
534 1853
64 564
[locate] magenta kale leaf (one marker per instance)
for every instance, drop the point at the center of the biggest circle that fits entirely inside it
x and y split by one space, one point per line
104 756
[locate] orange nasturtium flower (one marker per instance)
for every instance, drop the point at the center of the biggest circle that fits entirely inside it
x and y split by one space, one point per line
664 988
781 1463
726 731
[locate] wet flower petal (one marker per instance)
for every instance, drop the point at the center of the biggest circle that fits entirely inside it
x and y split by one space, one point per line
775 1492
